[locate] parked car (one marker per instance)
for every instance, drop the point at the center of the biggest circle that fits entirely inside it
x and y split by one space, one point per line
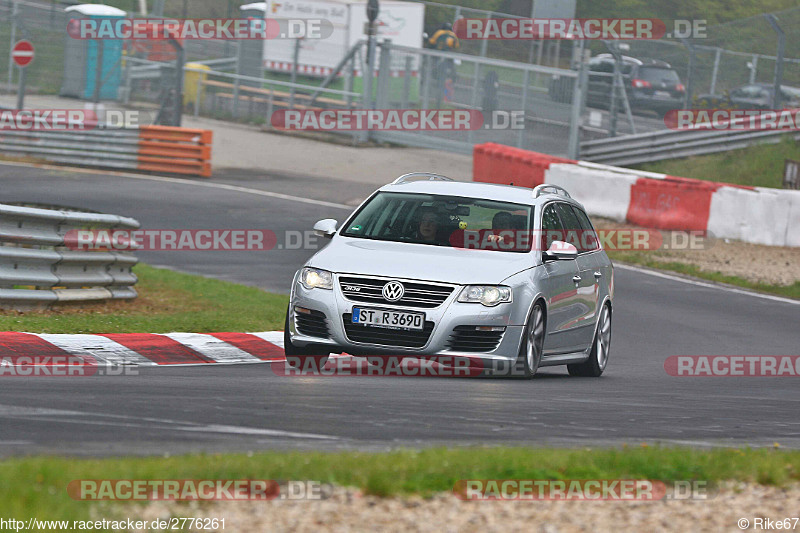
750 96
411 273
651 85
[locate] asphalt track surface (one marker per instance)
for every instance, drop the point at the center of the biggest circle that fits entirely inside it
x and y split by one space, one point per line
249 407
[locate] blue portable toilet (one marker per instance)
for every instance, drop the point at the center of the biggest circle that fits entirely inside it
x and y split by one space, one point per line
81 57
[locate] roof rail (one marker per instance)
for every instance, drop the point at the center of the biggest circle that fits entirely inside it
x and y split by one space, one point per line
405 178
542 189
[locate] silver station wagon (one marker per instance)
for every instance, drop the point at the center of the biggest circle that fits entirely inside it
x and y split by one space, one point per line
512 278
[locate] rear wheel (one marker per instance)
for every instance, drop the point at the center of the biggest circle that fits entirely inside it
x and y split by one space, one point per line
530 353
598 358
302 358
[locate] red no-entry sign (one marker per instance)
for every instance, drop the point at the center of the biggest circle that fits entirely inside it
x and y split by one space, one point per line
22 53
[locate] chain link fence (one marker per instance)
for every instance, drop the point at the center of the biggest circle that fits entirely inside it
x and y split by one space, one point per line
234 80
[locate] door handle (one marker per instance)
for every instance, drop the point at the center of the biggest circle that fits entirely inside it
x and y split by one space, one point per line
577 279
598 274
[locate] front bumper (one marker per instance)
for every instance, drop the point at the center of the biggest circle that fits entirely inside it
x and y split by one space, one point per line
445 318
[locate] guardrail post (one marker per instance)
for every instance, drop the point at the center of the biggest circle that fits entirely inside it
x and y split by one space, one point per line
754 69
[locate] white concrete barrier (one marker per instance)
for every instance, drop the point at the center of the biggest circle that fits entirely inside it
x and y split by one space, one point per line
603 193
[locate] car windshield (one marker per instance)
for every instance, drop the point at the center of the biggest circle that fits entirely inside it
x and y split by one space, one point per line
451 221
659 75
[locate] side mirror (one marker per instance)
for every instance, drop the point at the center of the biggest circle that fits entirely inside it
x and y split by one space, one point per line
561 251
326 228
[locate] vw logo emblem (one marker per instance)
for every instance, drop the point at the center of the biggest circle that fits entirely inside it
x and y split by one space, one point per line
393 291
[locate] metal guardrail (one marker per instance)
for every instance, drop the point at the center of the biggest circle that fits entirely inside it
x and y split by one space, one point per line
660 145
101 147
150 148
37 270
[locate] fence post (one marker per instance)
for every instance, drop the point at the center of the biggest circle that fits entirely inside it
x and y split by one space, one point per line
270 107
578 98
690 74
197 96
384 73
485 42
714 72
776 87
237 82
407 82
351 74
426 77
526 78
11 45
295 67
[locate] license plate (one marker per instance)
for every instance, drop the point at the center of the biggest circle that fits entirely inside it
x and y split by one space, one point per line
662 95
388 319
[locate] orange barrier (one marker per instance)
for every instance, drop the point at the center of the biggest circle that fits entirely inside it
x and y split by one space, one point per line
497 163
175 150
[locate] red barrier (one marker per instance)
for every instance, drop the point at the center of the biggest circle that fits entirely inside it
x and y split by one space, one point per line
497 163
671 203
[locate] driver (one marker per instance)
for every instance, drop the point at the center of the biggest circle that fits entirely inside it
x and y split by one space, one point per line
429 225
502 221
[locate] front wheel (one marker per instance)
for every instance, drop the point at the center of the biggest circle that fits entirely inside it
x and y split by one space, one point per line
598 358
530 353
302 358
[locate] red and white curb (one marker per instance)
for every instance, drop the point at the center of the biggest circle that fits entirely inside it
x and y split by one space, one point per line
144 349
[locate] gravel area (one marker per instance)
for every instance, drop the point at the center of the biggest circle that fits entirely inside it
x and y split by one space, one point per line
754 262
348 511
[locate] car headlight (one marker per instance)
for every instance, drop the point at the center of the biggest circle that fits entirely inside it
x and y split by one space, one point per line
488 295
315 278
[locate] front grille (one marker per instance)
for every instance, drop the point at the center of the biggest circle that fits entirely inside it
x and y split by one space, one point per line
386 337
470 339
417 295
313 324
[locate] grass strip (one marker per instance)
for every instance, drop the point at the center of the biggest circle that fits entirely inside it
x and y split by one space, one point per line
39 483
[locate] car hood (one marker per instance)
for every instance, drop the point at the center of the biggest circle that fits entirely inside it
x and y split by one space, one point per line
419 261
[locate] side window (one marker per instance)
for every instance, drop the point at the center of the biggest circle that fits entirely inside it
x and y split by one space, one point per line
589 238
572 226
552 230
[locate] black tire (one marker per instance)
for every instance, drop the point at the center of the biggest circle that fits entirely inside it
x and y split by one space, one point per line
601 349
532 345
303 358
